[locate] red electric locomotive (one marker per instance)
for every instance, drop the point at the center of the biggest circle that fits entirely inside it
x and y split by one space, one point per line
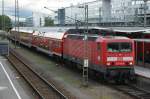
111 56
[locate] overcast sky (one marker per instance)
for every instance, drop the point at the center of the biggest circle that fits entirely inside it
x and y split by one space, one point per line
29 6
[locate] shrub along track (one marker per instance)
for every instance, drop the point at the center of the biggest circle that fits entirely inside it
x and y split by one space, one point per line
44 88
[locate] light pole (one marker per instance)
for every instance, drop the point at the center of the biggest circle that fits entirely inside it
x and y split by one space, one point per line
15 24
18 21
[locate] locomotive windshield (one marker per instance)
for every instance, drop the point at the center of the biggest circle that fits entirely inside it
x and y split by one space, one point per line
119 47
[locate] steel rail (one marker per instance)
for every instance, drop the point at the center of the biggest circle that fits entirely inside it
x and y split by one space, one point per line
133 90
44 89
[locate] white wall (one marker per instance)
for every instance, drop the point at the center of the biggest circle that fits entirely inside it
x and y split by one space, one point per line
37 17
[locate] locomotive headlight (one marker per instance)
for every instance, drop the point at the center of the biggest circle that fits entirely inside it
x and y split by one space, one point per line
108 64
130 63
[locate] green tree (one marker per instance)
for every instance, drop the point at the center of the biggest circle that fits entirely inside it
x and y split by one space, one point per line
49 21
5 23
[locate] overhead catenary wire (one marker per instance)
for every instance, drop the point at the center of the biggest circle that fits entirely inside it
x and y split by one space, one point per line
86 56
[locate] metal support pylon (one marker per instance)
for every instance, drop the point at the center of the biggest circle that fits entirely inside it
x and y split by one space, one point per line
15 24
17 34
17 6
86 61
85 76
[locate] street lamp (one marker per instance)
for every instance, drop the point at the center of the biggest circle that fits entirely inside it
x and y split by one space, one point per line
50 9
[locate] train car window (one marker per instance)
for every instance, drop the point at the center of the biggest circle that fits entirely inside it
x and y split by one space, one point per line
81 31
137 35
56 44
80 37
94 31
92 38
69 36
75 37
113 47
119 47
125 47
70 31
107 32
101 32
76 31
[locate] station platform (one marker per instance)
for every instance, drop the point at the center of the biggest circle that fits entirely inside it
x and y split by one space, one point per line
11 84
142 71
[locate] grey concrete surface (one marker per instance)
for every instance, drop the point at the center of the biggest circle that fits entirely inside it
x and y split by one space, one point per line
10 86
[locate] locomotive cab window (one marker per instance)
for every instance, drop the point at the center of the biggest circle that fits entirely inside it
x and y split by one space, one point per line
113 47
119 47
125 47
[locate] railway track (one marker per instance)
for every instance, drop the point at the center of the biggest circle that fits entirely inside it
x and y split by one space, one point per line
128 89
133 91
44 89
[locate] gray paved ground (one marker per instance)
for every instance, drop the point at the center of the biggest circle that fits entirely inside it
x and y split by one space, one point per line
11 87
70 80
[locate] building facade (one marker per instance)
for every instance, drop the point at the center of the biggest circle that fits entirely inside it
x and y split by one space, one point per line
36 20
105 12
29 21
